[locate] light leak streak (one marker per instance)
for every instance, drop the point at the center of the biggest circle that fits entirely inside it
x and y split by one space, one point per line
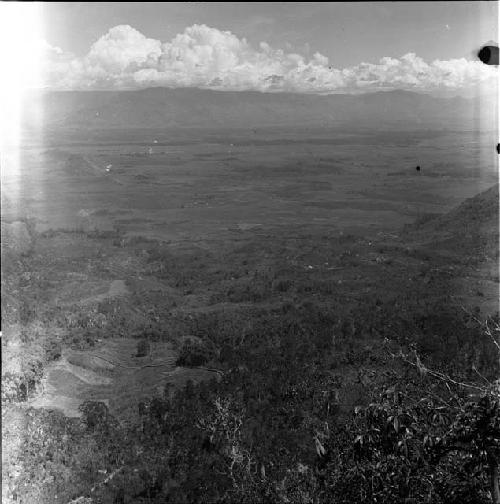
22 49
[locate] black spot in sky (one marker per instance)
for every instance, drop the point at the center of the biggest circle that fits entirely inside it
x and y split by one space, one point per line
418 168
488 55
498 148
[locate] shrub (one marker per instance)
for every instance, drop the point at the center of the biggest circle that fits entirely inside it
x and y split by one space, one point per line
11 388
282 285
193 353
94 414
143 348
53 351
17 386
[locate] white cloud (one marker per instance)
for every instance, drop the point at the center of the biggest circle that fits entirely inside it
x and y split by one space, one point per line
210 58
123 49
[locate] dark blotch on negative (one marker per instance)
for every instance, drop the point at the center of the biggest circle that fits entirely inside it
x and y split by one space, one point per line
489 55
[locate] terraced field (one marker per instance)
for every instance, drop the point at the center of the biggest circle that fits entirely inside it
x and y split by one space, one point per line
111 373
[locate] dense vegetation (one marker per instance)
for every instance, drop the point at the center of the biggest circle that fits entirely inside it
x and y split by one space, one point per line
369 386
309 410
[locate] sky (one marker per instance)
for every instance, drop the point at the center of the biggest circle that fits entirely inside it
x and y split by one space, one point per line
296 47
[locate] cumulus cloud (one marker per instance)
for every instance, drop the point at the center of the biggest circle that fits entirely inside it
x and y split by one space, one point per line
206 57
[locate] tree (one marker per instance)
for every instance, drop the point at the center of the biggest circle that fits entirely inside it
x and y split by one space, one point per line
426 428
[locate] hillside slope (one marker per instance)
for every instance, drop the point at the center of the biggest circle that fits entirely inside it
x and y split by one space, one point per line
470 228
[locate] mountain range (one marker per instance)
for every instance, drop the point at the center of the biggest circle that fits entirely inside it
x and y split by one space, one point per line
188 107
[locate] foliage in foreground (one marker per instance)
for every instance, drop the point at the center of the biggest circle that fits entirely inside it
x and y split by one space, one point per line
276 429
